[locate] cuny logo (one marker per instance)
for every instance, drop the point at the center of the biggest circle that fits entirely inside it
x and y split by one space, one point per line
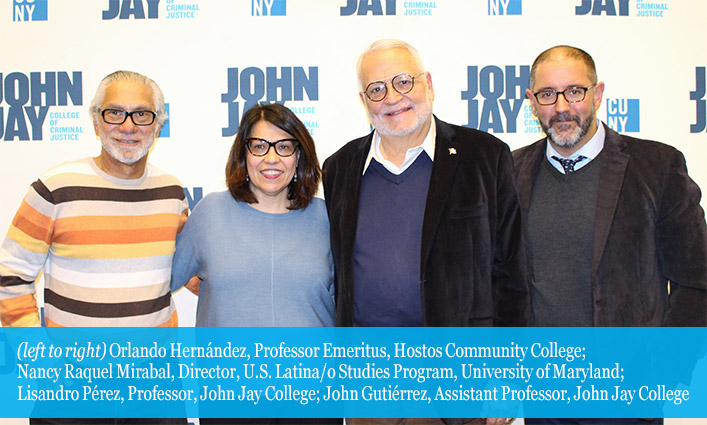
597 7
268 8
29 10
276 84
124 9
54 88
503 95
505 7
623 115
700 103
193 200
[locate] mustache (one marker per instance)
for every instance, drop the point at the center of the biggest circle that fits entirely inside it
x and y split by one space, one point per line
564 116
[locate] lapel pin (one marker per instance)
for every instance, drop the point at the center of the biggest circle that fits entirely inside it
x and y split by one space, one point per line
452 151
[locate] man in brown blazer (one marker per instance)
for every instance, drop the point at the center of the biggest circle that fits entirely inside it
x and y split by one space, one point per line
616 235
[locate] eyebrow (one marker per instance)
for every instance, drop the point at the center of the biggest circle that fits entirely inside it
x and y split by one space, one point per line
568 87
122 107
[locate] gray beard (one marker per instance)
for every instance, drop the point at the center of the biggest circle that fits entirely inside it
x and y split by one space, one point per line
570 140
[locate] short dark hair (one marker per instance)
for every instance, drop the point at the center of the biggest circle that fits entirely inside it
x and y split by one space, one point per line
299 192
567 52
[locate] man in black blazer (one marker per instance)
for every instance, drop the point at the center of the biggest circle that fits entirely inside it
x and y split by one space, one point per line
616 235
425 216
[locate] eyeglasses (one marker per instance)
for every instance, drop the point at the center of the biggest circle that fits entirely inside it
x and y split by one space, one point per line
261 147
571 95
402 83
117 117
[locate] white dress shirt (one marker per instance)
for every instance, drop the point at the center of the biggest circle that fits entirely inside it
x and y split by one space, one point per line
428 146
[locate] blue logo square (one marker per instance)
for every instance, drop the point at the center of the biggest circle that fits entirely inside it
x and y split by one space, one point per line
505 7
623 115
269 7
164 132
29 10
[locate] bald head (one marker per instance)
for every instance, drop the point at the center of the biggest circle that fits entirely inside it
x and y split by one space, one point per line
560 53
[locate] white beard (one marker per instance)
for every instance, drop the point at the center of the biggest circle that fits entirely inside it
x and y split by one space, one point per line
422 114
126 154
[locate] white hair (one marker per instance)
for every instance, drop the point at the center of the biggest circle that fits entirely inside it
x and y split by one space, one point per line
157 96
386 44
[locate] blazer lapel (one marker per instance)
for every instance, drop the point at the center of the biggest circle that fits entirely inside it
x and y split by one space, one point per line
611 178
349 216
526 172
447 153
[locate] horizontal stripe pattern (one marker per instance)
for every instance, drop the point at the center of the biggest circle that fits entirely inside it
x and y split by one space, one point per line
114 251
56 317
104 244
15 260
93 309
19 311
106 295
111 267
79 193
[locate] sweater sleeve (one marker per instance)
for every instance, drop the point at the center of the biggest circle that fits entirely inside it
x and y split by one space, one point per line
185 263
22 257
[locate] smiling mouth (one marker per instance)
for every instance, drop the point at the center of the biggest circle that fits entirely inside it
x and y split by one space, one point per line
398 111
272 174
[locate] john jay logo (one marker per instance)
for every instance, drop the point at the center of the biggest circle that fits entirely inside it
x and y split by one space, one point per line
276 84
29 10
598 7
623 115
124 9
700 103
503 96
268 8
505 7
164 131
364 7
29 100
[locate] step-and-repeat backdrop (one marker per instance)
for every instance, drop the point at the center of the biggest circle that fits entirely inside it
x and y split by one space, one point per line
214 59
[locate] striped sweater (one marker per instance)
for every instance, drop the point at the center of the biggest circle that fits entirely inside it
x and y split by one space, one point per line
105 245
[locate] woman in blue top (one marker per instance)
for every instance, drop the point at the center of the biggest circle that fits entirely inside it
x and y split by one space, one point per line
261 249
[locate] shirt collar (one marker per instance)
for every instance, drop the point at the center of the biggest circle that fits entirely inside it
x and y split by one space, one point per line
590 150
427 146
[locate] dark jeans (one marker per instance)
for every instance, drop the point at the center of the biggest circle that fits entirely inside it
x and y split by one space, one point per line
261 421
108 421
412 421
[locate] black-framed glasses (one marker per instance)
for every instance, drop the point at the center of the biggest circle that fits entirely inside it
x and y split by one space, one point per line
261 147
117 117
401 83
571 95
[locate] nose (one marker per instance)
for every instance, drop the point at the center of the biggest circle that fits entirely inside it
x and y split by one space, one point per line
271 156
392 96
561 105
128 126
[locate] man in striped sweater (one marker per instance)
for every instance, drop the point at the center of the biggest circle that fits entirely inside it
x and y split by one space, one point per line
102 229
